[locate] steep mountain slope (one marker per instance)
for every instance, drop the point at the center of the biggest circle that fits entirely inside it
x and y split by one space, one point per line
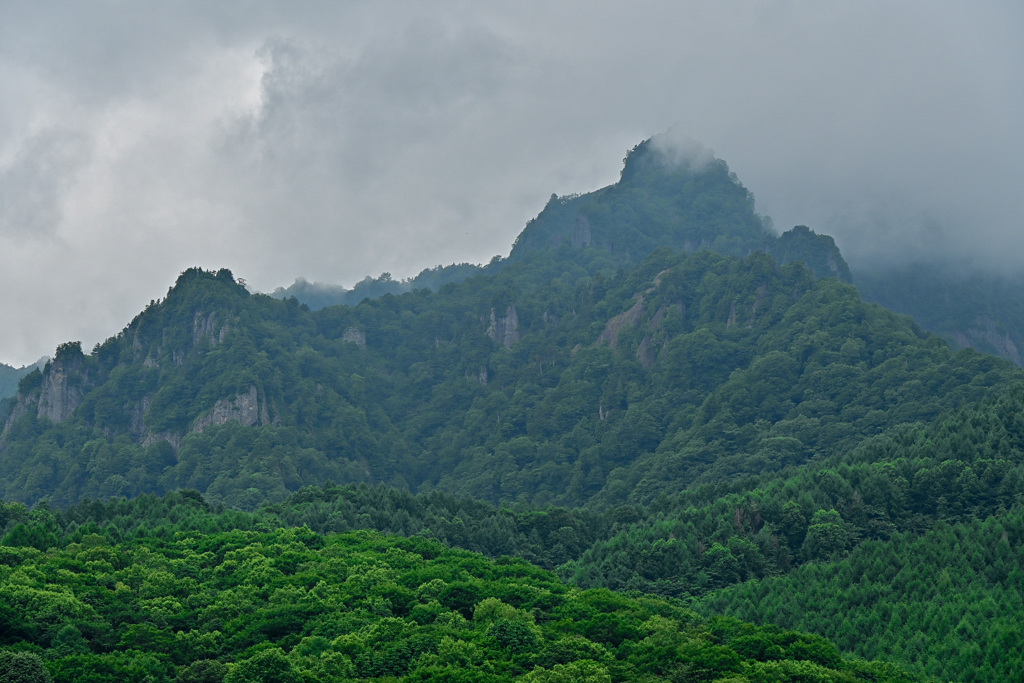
661 200
980 310
540 384
949 601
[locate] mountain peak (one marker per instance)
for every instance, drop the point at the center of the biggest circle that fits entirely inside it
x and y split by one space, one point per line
667 152
671 193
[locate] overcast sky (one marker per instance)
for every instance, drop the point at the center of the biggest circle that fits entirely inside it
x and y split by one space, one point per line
334 140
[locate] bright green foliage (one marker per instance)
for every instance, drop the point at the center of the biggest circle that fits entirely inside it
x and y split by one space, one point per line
290 605
967 465
949 601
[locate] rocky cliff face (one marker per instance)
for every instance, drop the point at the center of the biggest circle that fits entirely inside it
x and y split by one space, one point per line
22 406
245 408
62 388
985 335
506 329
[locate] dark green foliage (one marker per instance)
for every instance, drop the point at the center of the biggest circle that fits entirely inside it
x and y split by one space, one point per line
202 671
949 602
660 201
609 388
22 667
31 381
838 551
975 308
967 465
818 252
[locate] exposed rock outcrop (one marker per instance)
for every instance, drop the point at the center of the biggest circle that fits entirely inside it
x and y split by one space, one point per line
138 416
355 335
169 437
985 335
22 406
245 408
204 328
580 235
63 386
504 330
629 318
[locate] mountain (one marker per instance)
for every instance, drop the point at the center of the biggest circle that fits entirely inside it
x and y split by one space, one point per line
565 374
536 384
979 310
718 419
9 377
690 202
687 202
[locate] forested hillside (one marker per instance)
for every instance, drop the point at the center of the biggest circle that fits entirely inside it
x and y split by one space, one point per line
652 393
9 378
542 384
950 600
167 589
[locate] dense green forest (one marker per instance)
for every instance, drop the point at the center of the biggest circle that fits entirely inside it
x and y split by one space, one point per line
515 387
653 405
948 603
949 599
163 589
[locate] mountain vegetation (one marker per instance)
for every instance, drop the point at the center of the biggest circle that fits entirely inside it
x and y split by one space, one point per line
9 377
930 571
167 589
515 387
981 310
317 295
654 408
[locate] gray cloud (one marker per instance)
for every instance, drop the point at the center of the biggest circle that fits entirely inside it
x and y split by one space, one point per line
32 185
335 140
681 151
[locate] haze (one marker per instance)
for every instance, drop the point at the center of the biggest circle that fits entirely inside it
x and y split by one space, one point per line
338 140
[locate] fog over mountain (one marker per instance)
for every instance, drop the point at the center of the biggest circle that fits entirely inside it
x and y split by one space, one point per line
334 141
